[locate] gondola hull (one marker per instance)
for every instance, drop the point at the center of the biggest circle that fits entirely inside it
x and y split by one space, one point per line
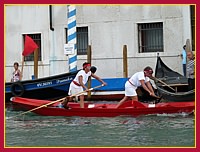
129 108
171 85
43 88
55 87
176 97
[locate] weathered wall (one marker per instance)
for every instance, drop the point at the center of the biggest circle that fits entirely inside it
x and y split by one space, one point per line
110 27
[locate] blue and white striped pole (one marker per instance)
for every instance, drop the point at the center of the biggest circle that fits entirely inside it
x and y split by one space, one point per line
71 38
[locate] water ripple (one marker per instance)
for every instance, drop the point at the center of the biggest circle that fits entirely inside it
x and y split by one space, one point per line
152 130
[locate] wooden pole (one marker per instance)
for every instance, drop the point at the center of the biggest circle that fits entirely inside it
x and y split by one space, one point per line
89 60
36 63
22 67
188 46
163 83
125 63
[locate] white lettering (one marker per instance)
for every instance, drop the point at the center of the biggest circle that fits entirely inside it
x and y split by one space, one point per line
64 80
44 84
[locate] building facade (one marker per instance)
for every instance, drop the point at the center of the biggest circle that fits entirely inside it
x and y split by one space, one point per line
146 30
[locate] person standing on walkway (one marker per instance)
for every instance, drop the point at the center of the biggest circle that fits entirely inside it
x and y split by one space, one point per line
191 70
16 75
184 59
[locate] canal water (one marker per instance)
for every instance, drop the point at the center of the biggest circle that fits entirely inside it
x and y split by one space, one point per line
31 130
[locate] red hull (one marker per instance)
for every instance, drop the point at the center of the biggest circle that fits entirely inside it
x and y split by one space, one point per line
105 110
106 97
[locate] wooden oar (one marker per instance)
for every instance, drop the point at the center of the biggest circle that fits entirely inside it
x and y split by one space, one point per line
45 105
163 83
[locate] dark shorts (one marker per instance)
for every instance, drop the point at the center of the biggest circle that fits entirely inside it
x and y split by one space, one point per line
191 84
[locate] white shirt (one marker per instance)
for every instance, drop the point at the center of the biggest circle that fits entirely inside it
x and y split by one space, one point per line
84 75
16 76
135 79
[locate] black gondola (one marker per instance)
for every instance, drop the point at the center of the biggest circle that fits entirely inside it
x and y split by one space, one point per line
52 87
171 85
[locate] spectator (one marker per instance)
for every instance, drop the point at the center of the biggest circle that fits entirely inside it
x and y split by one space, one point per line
184 59
191 70
16 75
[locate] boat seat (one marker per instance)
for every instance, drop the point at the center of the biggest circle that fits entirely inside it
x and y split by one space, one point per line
97 106
132 104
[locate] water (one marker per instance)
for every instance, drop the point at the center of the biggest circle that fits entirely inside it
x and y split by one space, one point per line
174 130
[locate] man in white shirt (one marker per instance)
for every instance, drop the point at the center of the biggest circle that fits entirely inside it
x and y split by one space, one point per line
78 84
138 79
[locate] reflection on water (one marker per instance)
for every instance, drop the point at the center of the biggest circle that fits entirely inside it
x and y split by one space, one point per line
153 130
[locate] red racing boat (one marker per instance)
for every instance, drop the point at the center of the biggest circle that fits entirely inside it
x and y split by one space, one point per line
129 108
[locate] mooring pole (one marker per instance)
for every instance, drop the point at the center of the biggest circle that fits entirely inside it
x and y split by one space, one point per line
188 46
36 63
72 36
89 60
125 64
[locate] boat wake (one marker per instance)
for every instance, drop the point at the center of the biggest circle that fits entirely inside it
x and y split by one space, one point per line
183 114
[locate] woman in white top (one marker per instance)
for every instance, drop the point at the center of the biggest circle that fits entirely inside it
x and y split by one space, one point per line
16 75
138 79
78 84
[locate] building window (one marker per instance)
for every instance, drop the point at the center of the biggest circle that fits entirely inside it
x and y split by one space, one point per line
150 37
82 40
37 39
192 14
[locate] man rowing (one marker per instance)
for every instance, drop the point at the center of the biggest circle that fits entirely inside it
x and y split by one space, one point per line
138 79
78 84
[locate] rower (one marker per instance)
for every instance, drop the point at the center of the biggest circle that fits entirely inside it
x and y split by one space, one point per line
138 79
78 84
